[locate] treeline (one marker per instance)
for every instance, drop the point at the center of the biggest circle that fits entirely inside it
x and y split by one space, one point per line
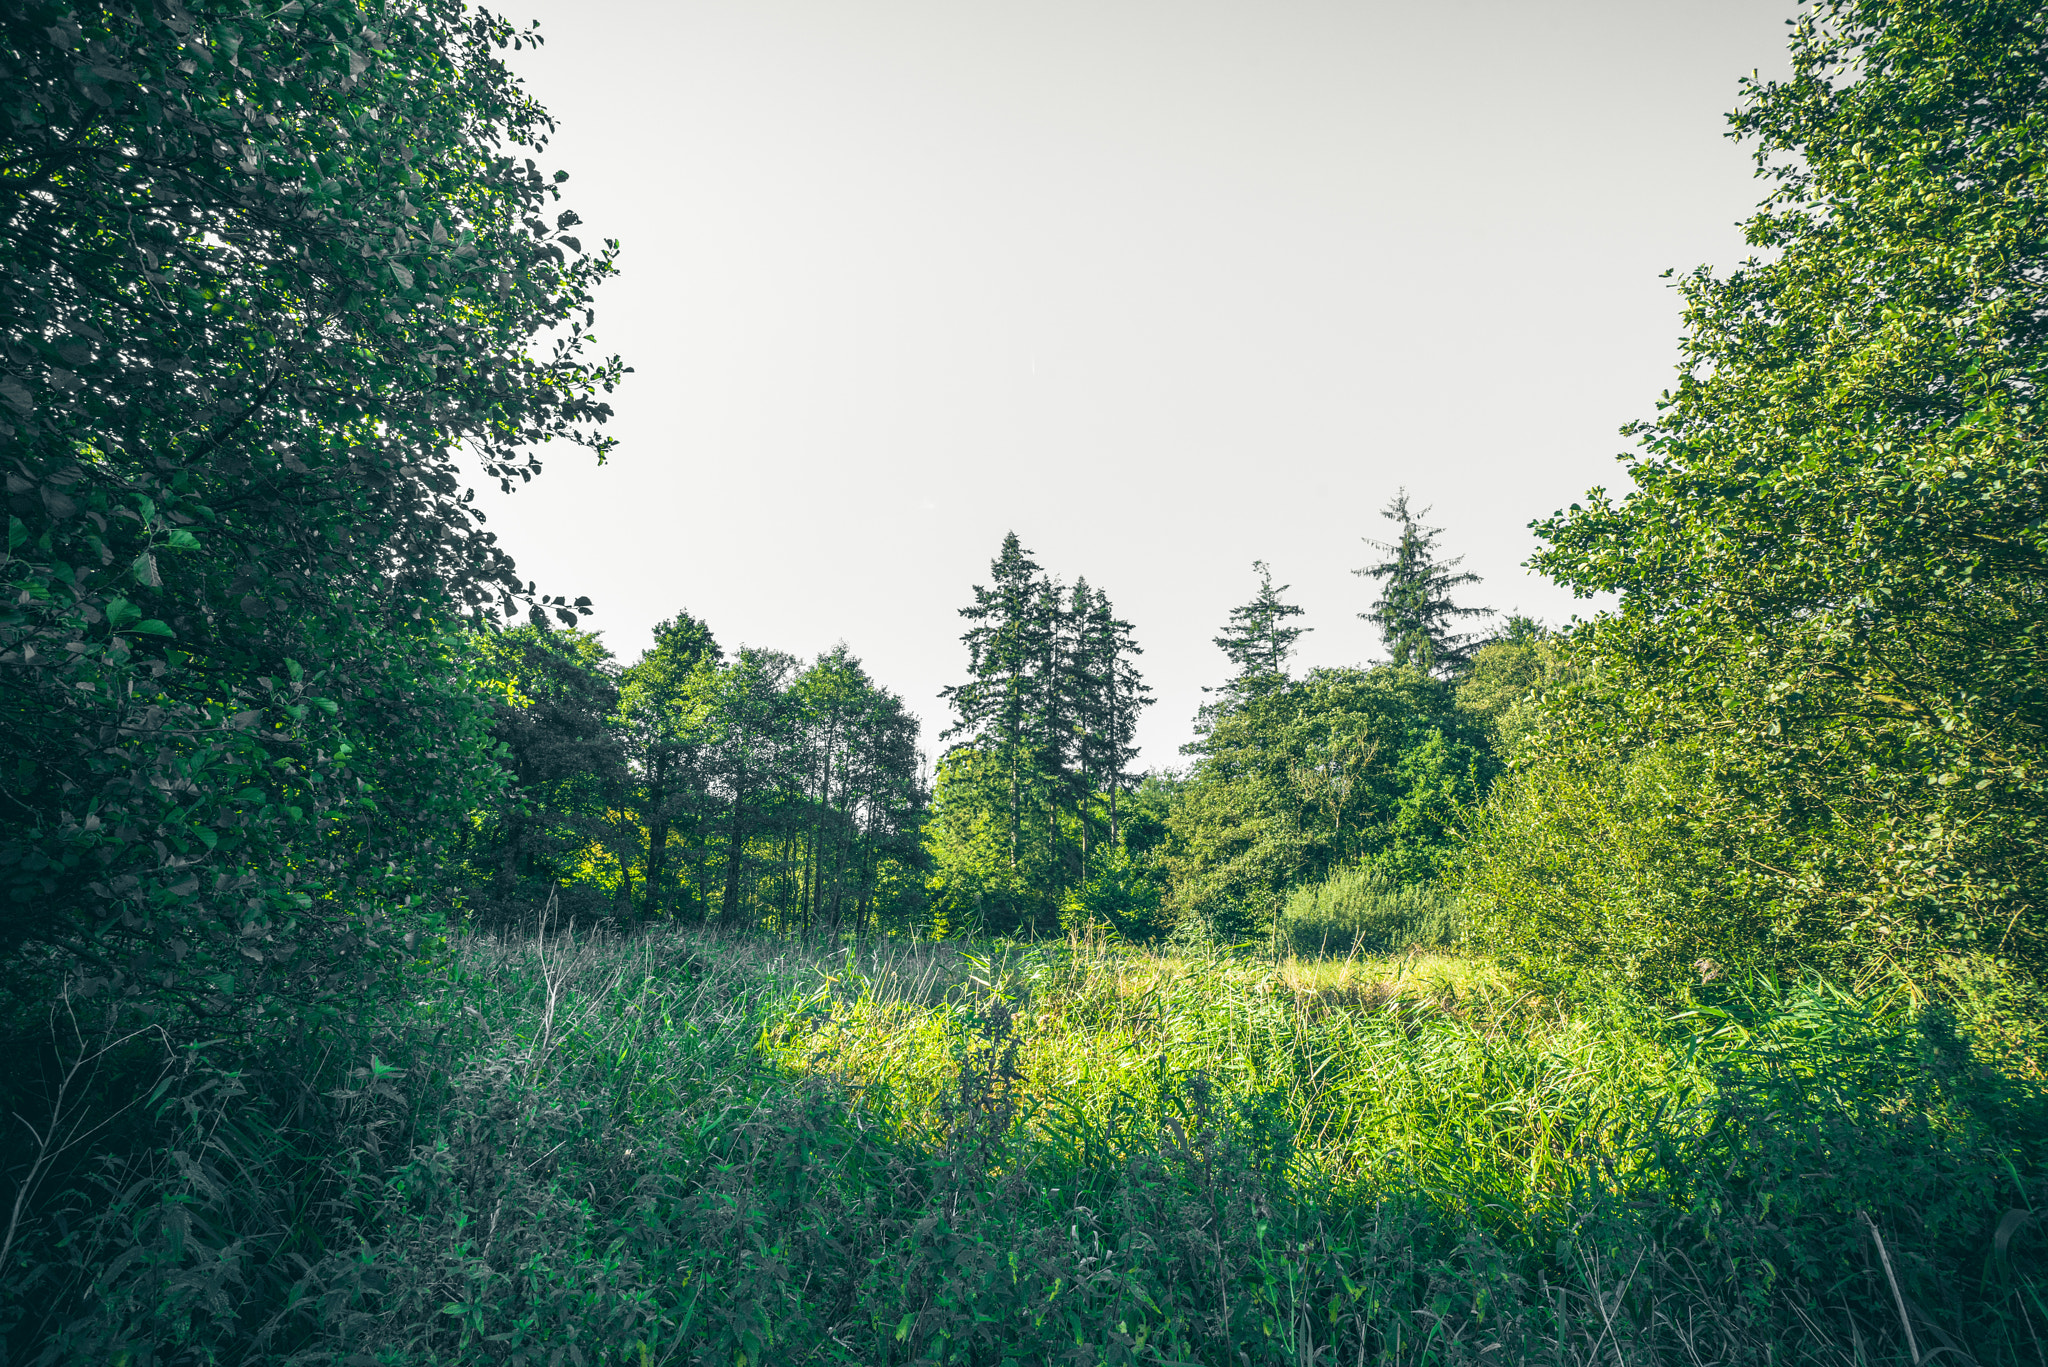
760 790
1039 824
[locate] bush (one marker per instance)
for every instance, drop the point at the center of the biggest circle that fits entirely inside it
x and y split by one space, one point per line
1364 911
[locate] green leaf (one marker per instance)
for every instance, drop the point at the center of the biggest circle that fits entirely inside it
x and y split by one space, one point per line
182 540
153 627
120 612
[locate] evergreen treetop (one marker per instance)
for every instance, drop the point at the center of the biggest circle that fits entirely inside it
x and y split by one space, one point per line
1414 612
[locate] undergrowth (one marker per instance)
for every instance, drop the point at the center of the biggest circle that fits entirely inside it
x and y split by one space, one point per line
1362 910
688 1149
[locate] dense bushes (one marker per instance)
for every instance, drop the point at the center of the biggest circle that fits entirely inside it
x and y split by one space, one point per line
1363 910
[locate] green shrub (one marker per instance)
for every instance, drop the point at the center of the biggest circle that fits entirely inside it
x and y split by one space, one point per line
1364 911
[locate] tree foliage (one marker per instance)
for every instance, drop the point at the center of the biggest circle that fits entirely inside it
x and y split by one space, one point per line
1414 612
1258 640
1342 766
265 272
1044 729
1832 615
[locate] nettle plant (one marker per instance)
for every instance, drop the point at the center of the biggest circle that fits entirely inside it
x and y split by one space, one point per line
267 271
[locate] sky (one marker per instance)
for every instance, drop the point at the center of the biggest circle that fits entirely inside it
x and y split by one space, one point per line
1164 286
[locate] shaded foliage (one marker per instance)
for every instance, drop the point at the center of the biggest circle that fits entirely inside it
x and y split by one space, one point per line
264 273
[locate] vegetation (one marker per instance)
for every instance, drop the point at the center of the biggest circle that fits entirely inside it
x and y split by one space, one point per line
394 975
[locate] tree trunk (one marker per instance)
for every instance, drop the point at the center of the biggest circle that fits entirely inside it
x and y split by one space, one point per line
735 852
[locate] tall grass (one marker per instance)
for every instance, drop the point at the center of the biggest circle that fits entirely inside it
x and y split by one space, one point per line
687 1149
1361 910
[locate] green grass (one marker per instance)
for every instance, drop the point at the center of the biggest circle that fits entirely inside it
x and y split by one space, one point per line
687 1149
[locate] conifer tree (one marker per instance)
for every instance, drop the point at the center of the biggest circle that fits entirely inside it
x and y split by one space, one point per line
1114 693
993 709
1258 640
1414 612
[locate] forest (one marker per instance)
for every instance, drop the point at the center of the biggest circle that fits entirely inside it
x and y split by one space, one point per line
393 974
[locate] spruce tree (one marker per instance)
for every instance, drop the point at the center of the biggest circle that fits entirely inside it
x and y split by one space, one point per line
1258 640
1114 694
1414 612
993 709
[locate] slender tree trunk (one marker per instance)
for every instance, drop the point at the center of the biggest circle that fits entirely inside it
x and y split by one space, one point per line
813 859
1015 816
735 852
657 864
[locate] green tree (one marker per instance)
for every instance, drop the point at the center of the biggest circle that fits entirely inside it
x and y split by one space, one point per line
1341 766
1832 622
664 709
554 692
1258 641
267 272
1111 695
1414 612
993 710
865 808
1043 731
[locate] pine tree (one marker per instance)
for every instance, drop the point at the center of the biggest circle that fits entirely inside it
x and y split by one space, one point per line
993 709
1258 640
1114 694
1414 612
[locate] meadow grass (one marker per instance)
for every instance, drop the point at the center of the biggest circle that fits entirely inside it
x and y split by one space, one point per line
694 1148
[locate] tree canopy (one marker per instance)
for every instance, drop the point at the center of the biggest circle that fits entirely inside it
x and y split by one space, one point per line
265 274
1831 560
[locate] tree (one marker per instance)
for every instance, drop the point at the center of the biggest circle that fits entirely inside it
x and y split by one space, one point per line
663 709
1258 642
1112 694
1043 743
1341 766
993 709
1414 612
1832 626
267 272
553 692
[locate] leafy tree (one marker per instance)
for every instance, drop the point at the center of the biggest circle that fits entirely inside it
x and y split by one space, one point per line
664 712
266 272
750 738
862 757
1414 612
1342 766
1832 622
554 692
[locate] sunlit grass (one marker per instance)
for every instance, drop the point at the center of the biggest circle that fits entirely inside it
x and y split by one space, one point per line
693 1148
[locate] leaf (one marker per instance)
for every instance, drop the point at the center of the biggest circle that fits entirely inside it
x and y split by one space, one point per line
120 612
17 395
145 572
182 540
154 627
402 275
2013 1222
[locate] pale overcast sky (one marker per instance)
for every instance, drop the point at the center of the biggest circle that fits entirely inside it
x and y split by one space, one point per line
1165 287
